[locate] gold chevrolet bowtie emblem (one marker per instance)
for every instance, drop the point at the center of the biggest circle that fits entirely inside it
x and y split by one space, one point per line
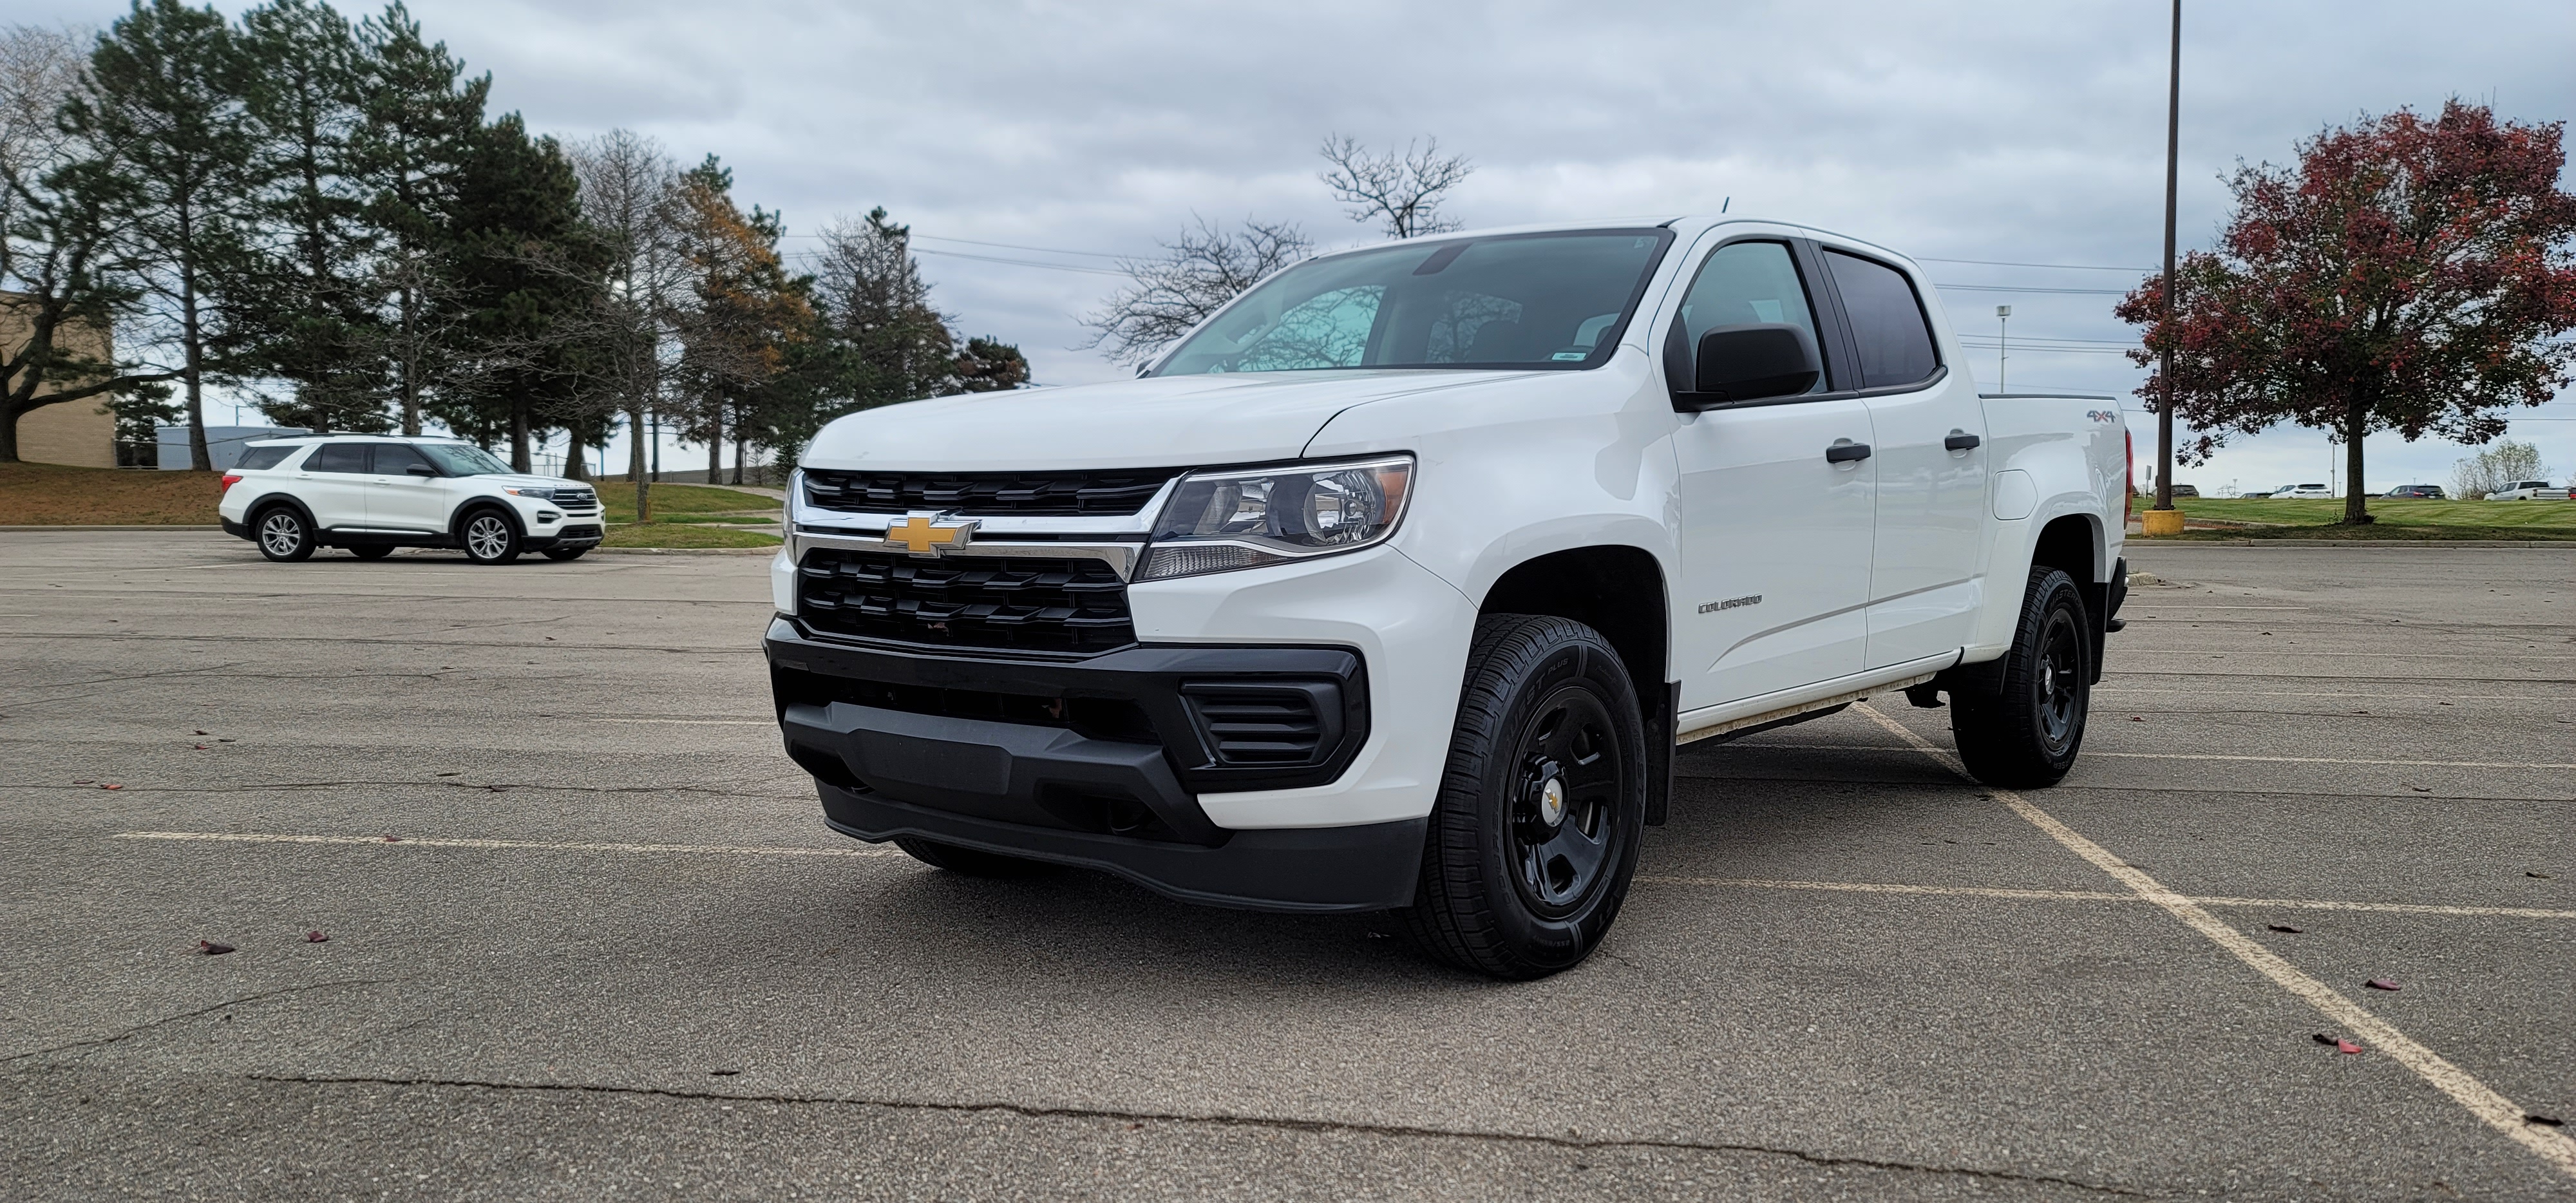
923 535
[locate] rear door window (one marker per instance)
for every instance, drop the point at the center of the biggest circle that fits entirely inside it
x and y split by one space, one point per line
1887 322
256 458
339 457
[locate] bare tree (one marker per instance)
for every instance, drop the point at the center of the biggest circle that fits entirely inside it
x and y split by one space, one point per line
628 194
1402 192
2496 468
1165 297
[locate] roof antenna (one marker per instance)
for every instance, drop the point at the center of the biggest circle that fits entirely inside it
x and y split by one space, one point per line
1729 201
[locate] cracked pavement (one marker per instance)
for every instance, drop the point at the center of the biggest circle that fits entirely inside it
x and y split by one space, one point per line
611 951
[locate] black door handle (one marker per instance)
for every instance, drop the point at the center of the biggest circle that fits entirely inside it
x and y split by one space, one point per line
1845 453
1961 440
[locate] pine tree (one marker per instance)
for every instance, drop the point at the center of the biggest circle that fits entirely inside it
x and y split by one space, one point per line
522 266
165 88
419 117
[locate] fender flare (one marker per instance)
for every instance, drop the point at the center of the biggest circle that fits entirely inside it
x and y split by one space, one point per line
476 505
269 501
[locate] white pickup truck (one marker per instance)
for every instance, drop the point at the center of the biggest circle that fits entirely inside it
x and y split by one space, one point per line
1396 584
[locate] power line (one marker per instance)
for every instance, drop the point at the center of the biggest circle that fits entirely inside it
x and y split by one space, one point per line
1062 267
2090 292
2071 267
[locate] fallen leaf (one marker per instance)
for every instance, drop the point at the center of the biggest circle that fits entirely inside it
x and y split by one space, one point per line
205 732
2135 719
455 774
2421 789
86 781
2287 928
212 949
203 748
393 839
2533 1117
315 937
107 785
2541 876
2381 983
496 788
723 1073
2322 1038
2346 1047
227 741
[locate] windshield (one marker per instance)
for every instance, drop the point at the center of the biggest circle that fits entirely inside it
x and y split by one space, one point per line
1512 301
459 459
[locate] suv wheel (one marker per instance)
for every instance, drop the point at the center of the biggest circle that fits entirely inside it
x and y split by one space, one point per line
1535 834
973 862
489 538
2028 733
283 534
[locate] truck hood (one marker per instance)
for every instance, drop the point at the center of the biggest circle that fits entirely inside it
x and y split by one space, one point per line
1173 421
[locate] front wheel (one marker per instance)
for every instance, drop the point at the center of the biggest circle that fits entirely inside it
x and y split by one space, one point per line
1535 834
284 535
489 538
2027 733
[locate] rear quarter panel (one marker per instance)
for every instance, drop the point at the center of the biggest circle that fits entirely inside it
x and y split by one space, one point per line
2052 458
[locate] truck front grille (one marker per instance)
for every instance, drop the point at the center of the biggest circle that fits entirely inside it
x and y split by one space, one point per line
1012 602
991 494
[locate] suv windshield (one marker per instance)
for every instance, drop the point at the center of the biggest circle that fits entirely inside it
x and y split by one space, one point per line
1521 301
459 459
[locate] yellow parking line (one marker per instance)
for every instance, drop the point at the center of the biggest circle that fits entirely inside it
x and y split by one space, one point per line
2481 1100
2310 904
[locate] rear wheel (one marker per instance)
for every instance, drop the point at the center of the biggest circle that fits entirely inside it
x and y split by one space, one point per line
973 862
2027 733
1534 837
372 551
489 538
283 534
564 553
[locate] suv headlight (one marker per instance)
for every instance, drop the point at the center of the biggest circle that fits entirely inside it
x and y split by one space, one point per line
540 493
1246 518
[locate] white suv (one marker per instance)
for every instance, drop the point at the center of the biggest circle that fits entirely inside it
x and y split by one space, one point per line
374 493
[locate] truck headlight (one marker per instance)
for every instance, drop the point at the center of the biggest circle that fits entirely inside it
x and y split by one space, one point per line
1245 518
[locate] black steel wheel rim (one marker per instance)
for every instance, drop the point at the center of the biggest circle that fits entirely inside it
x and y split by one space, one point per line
281 533
1566 783
2060 681
487 537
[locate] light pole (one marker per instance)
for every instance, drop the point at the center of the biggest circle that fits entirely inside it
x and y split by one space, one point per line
2003 347
2164 410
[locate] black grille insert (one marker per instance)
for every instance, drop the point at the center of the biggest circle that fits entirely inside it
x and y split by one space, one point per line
1021 603
1033 494
1266 724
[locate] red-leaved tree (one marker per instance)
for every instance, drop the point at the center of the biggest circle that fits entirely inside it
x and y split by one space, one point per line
2406 274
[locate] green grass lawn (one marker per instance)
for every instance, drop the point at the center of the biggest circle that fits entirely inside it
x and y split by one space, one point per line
670 500
677 534
2398 518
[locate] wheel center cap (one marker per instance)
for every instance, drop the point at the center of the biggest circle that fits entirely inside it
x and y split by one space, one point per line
1551 802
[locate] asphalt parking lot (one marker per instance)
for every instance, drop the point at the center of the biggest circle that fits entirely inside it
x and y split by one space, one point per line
611 950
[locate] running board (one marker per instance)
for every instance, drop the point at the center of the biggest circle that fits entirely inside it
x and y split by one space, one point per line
1767 717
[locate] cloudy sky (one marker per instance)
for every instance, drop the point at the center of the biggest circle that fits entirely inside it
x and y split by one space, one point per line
1026 143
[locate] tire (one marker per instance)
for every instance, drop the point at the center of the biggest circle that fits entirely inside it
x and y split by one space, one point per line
283 534
1535 833
372 551
2026 734
562 554
489 537
973 862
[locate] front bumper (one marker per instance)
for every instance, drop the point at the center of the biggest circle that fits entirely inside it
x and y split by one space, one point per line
1097 761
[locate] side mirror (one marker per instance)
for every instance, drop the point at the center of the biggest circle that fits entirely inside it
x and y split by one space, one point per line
421 470
1749 363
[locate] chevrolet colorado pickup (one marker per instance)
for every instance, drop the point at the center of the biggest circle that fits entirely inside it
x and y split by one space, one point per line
1396 583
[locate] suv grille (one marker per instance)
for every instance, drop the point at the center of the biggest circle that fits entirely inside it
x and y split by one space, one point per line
576 499
1028 604
1033 494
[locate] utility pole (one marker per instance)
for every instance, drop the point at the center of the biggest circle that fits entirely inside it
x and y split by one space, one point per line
2003 348
2173 162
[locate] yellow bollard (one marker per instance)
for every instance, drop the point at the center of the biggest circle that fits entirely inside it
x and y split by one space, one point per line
2160 522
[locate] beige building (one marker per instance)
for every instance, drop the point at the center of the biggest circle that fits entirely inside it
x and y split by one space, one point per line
79 433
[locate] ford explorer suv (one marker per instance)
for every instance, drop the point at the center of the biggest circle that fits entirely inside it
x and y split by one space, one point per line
373 493
1395 585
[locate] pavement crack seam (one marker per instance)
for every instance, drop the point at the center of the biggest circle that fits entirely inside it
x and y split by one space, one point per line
166 1020
2481 1100
1277 1123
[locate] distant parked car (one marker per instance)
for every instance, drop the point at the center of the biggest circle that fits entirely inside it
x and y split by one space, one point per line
2186 490
2305 491
374 494
2432 491
2529 490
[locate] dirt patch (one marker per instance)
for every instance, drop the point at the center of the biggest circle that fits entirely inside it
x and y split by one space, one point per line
53 495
